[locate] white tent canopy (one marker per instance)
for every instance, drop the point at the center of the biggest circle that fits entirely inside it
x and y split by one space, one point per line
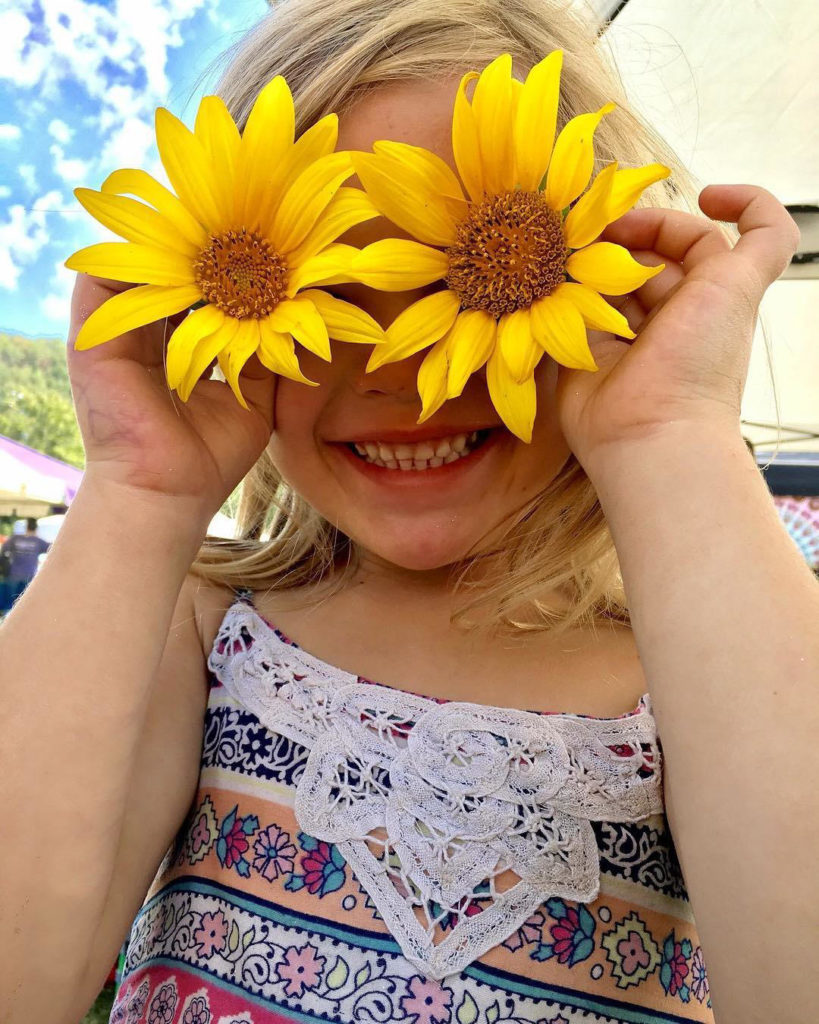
732 86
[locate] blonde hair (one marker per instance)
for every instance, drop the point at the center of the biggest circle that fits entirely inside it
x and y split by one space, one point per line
331 53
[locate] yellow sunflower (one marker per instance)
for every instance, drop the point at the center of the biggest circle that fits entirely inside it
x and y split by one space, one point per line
248 236
516 249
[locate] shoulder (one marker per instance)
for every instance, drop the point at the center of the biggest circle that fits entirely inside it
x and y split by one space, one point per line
209 603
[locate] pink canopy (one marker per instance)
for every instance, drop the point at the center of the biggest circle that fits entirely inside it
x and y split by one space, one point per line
30 482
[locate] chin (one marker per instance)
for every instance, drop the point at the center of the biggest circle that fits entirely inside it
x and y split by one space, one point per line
434 547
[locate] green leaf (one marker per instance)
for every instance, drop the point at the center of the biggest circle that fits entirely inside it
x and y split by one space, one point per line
338 975
586 922
467 1012
233 938
492 1013
362 976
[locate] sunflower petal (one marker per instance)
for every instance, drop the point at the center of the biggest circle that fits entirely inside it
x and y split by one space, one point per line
318 141
558 328
517 346
187 165
516 403
217 132
128 261
301 318
536 121
278 353
432 376
236 353
404 198
345 321
307 198
141 184
267 140
629 185
134 221
470 344
196 326
133 308
330 266
399 264
436 172
590 214
609 268
573 159
208 349
492 109
465 143
348 207
594 309
421 324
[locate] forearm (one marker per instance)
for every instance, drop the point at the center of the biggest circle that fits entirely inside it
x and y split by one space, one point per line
726 619
78 656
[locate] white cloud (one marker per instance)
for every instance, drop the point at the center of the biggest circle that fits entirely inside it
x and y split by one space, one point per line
71 170
57 304
10 132
5 191
129 145
24 235
81 41
60 131
28 176
24 65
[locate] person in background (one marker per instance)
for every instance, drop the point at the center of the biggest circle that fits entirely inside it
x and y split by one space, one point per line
21 553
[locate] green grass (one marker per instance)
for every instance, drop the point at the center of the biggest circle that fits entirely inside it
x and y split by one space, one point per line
101 1010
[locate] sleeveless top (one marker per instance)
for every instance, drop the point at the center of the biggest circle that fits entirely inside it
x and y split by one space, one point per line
359 853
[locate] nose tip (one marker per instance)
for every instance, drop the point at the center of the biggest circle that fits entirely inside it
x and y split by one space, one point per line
398 379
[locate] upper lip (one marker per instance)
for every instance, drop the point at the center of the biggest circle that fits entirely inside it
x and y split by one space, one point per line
415 435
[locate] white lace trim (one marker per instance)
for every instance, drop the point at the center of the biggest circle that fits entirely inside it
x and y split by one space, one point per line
458 819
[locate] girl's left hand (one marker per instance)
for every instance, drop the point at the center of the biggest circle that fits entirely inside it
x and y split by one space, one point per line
694 322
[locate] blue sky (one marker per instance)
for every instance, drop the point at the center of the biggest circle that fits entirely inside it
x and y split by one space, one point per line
79 83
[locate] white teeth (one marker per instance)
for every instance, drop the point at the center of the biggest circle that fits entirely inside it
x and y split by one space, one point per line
420 456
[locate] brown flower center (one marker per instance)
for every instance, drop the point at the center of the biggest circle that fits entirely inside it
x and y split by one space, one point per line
242 274
510 252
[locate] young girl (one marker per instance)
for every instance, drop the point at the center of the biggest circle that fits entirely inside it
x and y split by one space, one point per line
394 752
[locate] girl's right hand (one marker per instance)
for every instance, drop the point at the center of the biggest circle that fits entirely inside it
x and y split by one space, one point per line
136 431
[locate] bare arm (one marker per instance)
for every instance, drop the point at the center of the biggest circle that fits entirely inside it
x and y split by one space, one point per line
79 657
726 618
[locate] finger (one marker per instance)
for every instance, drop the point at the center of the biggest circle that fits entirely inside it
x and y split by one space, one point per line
258 385
143 345
768 234
674 235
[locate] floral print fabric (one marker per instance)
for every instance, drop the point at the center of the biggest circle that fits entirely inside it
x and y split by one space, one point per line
252 921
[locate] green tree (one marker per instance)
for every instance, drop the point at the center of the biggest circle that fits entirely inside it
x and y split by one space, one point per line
35 397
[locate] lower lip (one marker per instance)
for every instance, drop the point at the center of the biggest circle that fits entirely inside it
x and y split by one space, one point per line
418 477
